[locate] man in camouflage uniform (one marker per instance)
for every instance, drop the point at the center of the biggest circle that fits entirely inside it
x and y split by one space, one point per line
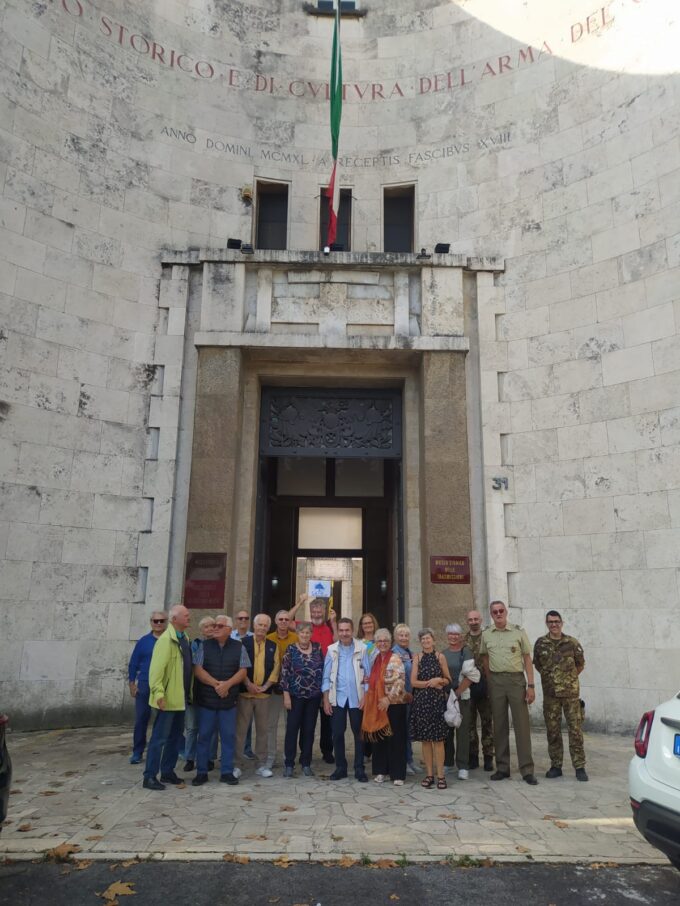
559 659
479 698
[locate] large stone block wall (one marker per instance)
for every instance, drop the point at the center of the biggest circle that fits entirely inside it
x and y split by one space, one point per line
550 139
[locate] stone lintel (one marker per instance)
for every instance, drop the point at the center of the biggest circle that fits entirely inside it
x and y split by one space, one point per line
332 341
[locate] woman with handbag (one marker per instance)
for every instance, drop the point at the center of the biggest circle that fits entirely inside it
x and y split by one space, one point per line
385 707
430 679
461 664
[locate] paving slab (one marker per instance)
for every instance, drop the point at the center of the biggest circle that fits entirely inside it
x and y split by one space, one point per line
77 787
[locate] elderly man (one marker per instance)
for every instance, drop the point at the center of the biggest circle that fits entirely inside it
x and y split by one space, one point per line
138 678
170 680
324 632
240 632
283 636
506 656
255 698
480 706
559 659
346 669
220 666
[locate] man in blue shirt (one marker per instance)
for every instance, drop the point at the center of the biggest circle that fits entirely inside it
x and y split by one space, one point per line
138 678
345 674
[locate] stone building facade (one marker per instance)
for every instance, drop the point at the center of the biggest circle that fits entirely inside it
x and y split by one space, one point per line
148 371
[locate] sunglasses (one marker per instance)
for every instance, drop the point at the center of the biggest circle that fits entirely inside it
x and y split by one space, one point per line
241 618
497 613
158 621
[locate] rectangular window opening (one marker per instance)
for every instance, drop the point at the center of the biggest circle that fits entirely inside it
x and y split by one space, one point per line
398 218
344 232
272 215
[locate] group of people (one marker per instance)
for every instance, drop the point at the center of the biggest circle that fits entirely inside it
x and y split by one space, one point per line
232 679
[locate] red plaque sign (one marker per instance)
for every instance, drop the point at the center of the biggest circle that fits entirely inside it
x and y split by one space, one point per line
204 581
450 570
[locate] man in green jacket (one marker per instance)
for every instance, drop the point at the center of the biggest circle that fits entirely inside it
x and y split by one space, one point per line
170 676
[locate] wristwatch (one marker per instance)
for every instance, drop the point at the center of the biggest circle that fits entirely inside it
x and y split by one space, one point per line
530 686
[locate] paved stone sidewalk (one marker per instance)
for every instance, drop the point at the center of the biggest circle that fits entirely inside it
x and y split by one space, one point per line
76 786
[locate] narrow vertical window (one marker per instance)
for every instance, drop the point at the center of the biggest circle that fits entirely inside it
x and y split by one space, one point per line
272 215
398 218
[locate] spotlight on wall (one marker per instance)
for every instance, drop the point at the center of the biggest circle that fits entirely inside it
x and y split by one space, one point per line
275 583
326 249
442 248
246 248
423 255
383 586
233 243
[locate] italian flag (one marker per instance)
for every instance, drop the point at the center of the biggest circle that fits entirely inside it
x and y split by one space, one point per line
333 190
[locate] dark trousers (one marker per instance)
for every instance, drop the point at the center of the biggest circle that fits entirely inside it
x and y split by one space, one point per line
142 715
325 735
389 755
301 721
166 738
339 725
457 743
211 721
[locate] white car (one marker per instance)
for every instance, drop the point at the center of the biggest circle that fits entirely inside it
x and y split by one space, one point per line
654 778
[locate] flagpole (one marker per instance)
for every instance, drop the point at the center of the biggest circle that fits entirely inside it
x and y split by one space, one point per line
333 190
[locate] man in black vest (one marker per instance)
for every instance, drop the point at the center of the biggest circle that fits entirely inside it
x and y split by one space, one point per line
253 702
220 666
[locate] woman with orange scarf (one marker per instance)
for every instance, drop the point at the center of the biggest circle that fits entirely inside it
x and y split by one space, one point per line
384 719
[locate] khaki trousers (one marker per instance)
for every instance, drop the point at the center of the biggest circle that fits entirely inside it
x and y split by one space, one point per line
508 690
276 709
247 709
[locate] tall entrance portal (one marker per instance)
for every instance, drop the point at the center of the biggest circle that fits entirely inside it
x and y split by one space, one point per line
329 500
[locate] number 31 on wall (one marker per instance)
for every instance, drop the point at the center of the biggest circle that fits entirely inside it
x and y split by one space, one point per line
499 483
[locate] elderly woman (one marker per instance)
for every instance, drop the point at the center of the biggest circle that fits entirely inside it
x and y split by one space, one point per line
301 676
384 717
402 641
461 663
430 679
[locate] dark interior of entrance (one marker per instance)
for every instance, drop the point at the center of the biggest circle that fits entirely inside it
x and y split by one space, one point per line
333 519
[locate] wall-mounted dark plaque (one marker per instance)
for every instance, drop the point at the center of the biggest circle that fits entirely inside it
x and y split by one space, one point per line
450 570
204 581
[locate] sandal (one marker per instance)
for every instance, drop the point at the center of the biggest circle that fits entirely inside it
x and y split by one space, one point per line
441 783
427 782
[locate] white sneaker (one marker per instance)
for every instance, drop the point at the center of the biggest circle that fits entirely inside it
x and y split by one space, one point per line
398 782
264 772
463 774
237 772
379 778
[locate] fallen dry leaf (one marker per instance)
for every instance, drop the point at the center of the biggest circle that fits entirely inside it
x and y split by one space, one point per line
24 827
62 853
82 864
549 817
595 865
95 837
383 863
117 889
15 792
522 849
48 793
336 837
450 816
393 896
232 857
287 808
282 862
346 862
247 798
367 817
273 899
560 824
129 862
256 837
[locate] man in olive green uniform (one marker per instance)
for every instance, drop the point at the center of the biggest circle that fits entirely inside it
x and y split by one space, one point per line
506 656
559 659
479 698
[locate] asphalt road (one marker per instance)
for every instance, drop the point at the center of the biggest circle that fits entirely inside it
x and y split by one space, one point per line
262 884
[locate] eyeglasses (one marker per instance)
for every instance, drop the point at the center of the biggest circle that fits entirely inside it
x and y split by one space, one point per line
554 621
159 621
283 619
241 618
497 613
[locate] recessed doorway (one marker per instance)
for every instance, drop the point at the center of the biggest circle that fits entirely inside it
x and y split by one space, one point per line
331 511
